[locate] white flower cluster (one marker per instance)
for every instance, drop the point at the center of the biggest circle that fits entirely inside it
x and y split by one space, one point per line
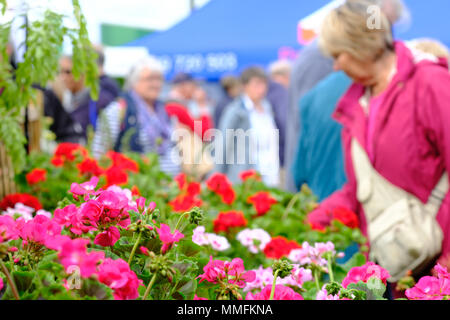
254 239
308 254
25 212
264 277
201 238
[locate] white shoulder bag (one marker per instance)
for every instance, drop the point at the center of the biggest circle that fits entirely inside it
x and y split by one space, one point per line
403 232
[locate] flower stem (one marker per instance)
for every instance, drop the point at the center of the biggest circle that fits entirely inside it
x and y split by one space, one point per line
272 292
149 287
330 269
134 248
179 220
10 280
291 204
316 279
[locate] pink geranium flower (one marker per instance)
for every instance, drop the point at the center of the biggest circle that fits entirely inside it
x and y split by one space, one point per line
8 230
168 238
108 237
73 254
117 275
110 208
428 288
432 288
64 216
195 297
214 271
281 293
38 230
84 189
234 271
364 273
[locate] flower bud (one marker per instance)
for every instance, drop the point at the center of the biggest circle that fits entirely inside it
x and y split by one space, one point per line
284 268
195 216
140 203
333 288
151 207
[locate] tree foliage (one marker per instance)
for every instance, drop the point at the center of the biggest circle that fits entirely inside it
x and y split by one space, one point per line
44 39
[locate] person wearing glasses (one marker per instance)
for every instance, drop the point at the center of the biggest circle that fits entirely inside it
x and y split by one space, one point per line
69 103
139 112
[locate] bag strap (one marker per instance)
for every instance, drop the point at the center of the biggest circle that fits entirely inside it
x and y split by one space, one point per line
438 194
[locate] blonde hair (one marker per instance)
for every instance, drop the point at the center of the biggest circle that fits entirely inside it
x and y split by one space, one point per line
348 28
431 46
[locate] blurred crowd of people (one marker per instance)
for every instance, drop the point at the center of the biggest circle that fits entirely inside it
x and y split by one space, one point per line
359 116
296 99
150 119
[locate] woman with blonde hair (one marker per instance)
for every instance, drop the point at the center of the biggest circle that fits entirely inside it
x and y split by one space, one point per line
396 141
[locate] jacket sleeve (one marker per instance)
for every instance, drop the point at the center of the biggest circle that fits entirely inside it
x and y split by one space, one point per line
434 114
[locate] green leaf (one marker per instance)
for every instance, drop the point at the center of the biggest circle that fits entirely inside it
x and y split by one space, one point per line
357 260
3 3
373 290
11 136
188 289
376 286
23 279
92 289
189 248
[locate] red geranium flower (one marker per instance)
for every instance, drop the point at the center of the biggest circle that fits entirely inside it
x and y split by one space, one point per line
181 180
190 188
36 175
187 199
279 247
135 191
320 219
250 174
227 220
347 217
57 161
10 201
68 151
219 184
115 176
262 201
90 167
123 162
184 203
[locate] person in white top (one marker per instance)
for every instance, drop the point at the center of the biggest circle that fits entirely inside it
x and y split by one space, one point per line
251 115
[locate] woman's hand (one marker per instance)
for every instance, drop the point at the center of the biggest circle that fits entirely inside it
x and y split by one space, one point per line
319 218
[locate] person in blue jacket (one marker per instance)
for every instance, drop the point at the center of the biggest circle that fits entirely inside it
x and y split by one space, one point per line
319 160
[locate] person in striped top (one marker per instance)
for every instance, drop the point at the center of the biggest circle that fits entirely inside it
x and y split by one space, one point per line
137 121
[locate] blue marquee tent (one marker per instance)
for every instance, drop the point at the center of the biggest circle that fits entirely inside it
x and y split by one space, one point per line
227 35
